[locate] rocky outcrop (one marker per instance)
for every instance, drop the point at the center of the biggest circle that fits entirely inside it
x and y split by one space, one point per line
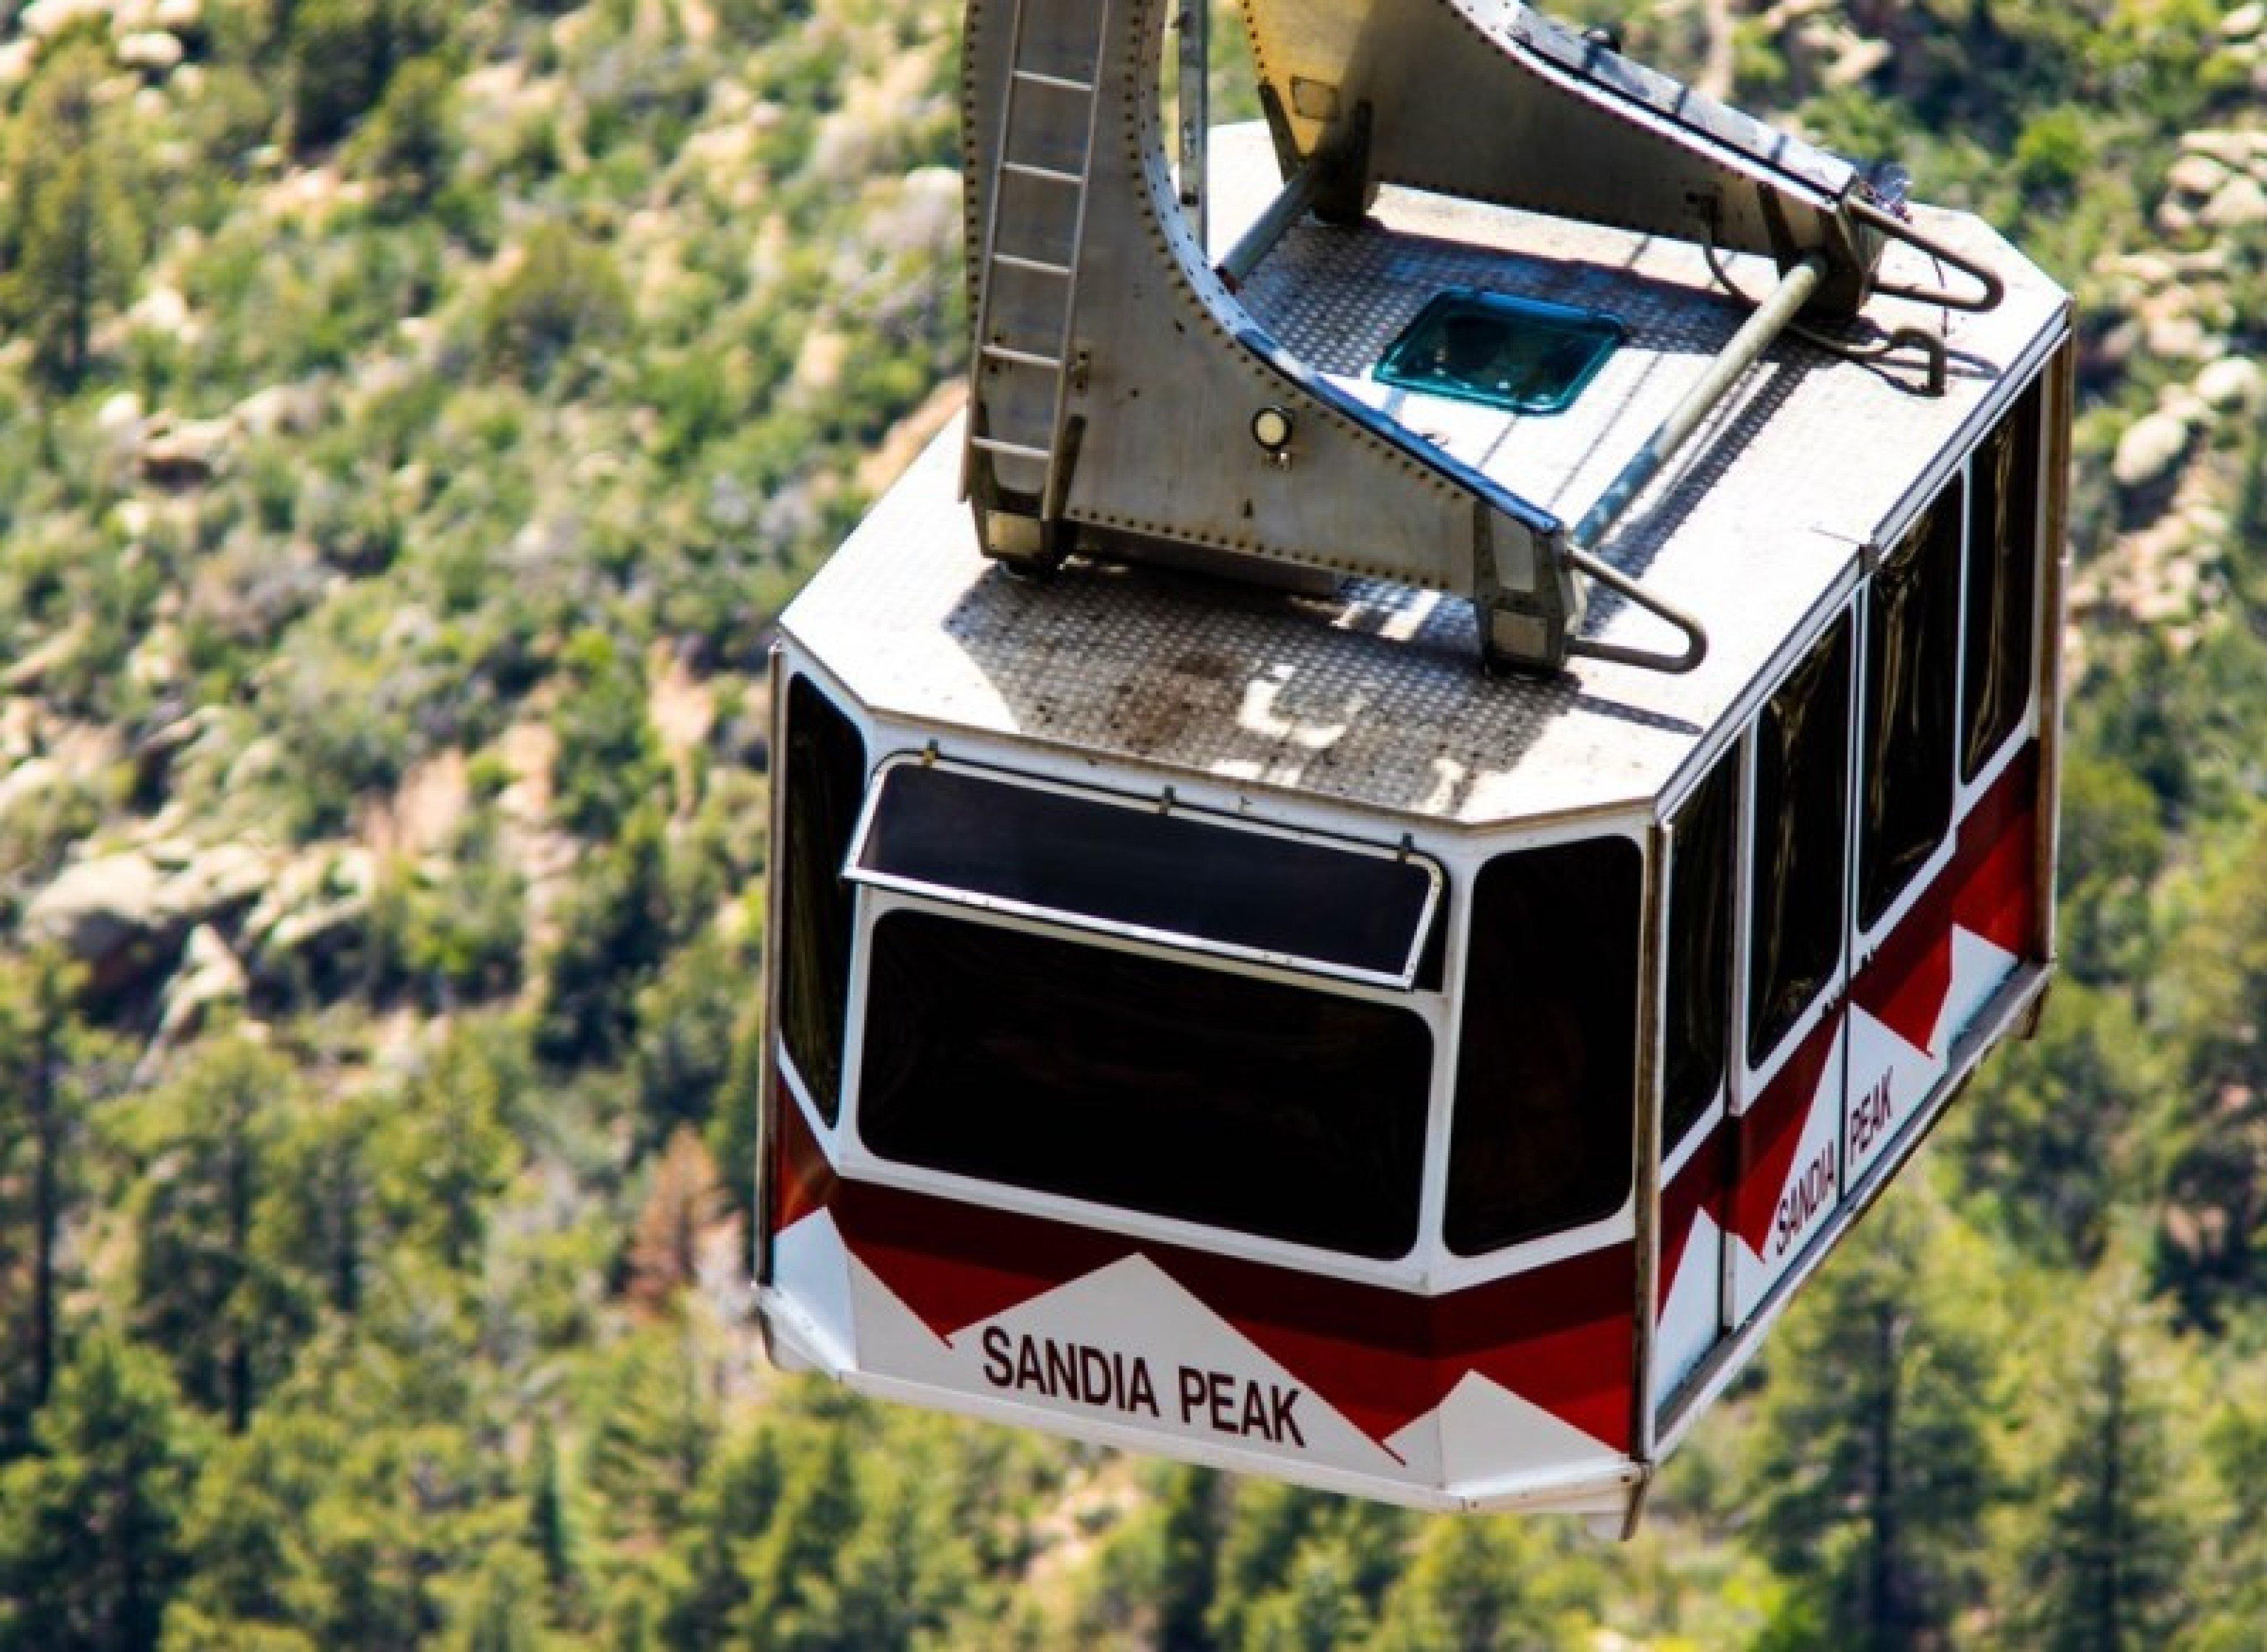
181 454
123 917
2217 186
307 936
209 981
110 916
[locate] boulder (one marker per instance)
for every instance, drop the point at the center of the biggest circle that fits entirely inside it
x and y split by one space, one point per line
28 674
17 58
306 934
154 750
217 883
26 782
209 977
2195 175
164 310
2149 452
290 409
44 18
110 915
153 51
2234 148
184 454
2237 204
926 214
2231 382
118 421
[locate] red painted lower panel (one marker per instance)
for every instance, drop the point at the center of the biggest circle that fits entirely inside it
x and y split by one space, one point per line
1559 1335
1771 1131
1698 1185
1989 888
1986 888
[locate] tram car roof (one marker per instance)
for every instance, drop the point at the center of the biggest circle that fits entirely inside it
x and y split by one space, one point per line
1367 694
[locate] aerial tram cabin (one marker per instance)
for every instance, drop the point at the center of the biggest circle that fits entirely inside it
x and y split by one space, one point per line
1377 855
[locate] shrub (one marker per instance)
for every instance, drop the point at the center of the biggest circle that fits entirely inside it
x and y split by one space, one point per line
411 144
342 57
609 760
564 293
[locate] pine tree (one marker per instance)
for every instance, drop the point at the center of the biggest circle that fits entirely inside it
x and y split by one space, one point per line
1192 1501
2215 1249
906 1571
1317 1610
2106 1562
90 1525
246 1532
549 1531
793 1601
1875 1469
44 1061
729 1511
615 934
1484 1586
654 1425
228 1320
505 1604
1267 1522
74 240
1299 1567
448 1151
2230 1584
320 1211
731 1135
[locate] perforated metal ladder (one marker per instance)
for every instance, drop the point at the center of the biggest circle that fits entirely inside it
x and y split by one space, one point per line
996 347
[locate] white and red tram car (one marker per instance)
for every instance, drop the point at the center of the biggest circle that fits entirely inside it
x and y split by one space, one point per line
1225 1023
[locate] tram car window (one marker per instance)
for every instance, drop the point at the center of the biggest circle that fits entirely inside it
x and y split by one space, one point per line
1699 1003
825 785
1254 1105
1913 662
2002 583
1122 865
1802 747
1546 1068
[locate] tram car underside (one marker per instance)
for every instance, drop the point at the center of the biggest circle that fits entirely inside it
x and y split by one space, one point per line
1223 1021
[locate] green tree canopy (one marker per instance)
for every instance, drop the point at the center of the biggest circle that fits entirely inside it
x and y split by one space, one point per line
91 1546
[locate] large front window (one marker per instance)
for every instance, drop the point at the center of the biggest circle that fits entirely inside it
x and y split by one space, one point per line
1152 1085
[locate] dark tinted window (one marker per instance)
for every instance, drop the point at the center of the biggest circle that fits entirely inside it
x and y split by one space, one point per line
1699 1007
1911 641
1151 1085
1546 1069
1175 873
1803 753
2003 539
825 780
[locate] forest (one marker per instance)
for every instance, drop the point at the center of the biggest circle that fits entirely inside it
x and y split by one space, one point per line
413 415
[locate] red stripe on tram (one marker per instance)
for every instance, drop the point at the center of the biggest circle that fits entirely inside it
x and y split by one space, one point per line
1986 888
1558 1335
